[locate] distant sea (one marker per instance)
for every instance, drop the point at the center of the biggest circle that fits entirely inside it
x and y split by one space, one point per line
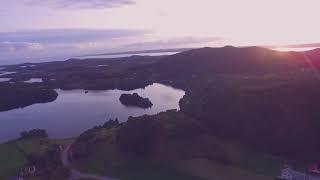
50 59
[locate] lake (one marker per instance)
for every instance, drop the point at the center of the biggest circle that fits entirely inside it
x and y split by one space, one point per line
34 80
4 79
76 111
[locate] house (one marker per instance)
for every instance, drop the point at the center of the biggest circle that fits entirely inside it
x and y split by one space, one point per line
28 171
57 147
314 169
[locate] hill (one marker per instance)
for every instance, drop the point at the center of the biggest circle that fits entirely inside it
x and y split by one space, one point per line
228 59
169 145
242 108
260 97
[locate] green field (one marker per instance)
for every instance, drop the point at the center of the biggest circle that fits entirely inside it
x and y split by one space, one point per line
238 162
11 159
197 168
109 163
13 154
207 169
133 170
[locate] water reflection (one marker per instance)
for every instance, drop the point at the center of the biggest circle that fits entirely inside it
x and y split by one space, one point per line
5 79
75 111
3 73
34 80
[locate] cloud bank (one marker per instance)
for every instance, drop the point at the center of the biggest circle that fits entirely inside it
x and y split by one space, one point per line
10 47
53 36
34 44
179 42
100 4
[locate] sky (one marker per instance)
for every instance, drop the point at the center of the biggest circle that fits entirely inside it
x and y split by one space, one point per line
32 29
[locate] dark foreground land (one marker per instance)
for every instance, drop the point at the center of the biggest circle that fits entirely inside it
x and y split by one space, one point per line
245 111
34 157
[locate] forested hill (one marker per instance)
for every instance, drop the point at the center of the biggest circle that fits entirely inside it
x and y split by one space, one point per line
234 60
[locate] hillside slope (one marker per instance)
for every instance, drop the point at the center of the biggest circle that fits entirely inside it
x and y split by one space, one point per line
232 60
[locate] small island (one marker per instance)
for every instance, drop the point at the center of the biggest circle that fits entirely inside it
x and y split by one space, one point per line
135 100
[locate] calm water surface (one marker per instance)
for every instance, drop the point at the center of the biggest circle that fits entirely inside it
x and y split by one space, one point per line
75 111
3 73
4 79
34 80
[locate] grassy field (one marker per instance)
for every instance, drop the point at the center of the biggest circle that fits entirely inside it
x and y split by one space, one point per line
13 154
262 164
133 170
11 159
106 160
197 168
207 169
246 165
109 163
242 164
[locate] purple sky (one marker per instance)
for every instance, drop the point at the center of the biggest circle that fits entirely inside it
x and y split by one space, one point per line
49 28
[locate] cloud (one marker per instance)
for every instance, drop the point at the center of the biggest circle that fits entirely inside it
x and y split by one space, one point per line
310 45
177 42
59 36
11 47
90 4
60 42
33 44
294 46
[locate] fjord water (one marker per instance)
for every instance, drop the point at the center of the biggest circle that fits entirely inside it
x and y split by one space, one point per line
76 111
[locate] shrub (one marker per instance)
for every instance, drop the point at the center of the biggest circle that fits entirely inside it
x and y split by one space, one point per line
41 133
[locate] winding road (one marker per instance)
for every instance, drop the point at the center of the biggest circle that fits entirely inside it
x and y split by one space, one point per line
75 174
